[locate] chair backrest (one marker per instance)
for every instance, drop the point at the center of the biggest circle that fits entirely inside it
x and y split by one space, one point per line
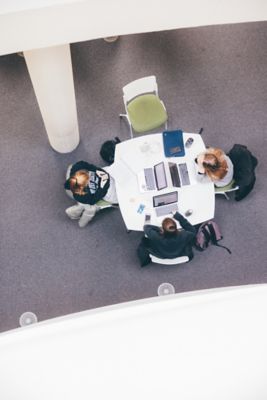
138 87
169 261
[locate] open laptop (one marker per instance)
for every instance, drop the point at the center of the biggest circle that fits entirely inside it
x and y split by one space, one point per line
152 178
179 174
165 204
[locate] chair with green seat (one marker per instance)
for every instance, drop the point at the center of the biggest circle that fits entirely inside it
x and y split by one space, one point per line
231 187
144 109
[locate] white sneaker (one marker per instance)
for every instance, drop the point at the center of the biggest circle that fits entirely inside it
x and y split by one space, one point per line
74 212
87 215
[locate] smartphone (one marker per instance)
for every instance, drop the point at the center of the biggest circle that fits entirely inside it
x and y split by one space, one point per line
147 217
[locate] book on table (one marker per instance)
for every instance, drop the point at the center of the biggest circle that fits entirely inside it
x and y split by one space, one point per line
173 143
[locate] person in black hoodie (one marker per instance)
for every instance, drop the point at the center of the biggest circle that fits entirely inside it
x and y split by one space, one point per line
244 170
167 241
88 184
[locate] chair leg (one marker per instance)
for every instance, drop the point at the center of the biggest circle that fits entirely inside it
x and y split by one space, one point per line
130 125
224 194
131 130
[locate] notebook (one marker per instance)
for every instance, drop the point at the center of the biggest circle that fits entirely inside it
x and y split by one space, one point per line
165 204
152 178
173 143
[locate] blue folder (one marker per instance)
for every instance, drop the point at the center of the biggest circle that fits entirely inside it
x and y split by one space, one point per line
173 143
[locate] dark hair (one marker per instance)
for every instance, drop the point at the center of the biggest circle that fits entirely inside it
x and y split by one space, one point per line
169 227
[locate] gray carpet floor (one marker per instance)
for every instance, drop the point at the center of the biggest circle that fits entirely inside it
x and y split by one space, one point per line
211 77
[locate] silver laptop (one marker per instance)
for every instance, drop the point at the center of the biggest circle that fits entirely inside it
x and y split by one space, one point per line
165 204
152 178
179 174
184 174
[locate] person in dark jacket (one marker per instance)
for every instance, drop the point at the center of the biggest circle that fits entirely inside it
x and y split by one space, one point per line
244 170
88 184
167 241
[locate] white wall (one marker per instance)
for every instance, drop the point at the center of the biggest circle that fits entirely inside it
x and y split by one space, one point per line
203 345
30 24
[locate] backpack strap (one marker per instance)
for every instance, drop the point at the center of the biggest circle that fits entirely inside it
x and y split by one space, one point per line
205 230
215 241
213 238
224 247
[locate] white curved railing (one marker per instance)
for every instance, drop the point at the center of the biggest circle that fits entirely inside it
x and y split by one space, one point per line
31 24
192 346
43 29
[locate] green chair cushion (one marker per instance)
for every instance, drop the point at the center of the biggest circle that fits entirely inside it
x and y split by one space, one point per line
146 112
103 203
230 186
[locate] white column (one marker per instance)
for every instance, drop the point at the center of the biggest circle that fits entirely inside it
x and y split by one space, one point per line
50 70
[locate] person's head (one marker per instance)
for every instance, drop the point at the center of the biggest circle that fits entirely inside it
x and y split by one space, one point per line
78 182
169 227
212 163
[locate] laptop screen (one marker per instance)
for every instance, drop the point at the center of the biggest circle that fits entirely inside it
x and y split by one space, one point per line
160 176
164 199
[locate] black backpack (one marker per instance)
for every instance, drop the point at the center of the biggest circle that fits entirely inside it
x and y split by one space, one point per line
107 151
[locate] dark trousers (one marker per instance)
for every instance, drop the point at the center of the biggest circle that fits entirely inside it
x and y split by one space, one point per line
143 252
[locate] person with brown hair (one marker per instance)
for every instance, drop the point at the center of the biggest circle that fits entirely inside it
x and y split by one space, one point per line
167 241
88 184
215 164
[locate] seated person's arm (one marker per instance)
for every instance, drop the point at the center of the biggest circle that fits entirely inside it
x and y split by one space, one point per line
104 177
185 224
152 231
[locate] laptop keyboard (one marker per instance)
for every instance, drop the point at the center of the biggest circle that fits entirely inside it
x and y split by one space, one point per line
184 174
174 175
165 210
150 179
